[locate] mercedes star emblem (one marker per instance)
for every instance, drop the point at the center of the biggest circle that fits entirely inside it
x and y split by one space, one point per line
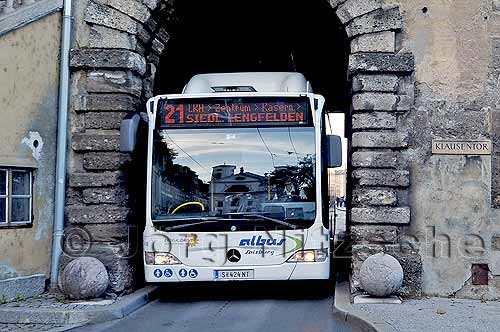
233 256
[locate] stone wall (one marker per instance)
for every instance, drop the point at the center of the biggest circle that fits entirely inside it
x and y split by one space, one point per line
117 48
383 94
456 98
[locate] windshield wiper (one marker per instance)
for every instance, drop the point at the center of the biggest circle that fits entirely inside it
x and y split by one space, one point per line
281 222
200 222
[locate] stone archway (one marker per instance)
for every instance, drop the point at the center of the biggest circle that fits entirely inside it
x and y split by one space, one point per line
119 44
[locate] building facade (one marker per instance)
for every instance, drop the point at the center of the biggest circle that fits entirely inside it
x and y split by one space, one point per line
29 76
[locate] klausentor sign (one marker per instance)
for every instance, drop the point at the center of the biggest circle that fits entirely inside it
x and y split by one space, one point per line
456 147
234 111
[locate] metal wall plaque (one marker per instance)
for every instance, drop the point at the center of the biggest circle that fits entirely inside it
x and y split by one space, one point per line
471 147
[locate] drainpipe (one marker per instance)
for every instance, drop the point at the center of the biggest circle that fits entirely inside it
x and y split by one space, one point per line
62 127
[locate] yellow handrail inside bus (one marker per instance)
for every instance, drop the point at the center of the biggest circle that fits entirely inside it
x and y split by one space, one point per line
188 203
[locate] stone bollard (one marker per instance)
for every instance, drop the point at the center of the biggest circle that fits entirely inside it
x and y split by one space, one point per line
381 275
84 278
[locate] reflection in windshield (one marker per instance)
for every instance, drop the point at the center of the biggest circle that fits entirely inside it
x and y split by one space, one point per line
237 173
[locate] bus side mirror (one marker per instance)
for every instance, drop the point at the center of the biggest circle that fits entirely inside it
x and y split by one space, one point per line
334 151
128 132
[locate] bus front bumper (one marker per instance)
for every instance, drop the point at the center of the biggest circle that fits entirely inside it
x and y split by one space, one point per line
285 271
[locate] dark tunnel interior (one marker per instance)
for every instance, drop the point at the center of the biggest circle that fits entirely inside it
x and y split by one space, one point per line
261 35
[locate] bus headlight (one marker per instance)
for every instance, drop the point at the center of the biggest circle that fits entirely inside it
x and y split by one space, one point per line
311 255
160 258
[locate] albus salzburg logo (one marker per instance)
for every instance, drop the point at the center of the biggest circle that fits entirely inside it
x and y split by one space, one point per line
258 241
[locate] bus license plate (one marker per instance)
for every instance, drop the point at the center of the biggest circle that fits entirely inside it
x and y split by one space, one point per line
233 274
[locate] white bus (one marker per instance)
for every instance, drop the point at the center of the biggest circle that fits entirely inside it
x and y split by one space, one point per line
236 180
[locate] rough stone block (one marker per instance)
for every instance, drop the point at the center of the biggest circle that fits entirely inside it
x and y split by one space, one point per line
26 287
354 8
336 3
104 196
381 62
381 215
375 83
103 15
384 41
374 233
157 46
382 177
96 142
374 159
101 161
151 4
110 233
412 269
96 214
132 8
73 196
379 20
163 35
151 25
374 197
380 140
118 81
106 102
380 101
86 180
495 41
104 120
104 37
143 35
374 120
154 59
112 58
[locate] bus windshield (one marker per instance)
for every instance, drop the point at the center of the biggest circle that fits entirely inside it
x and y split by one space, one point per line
235 178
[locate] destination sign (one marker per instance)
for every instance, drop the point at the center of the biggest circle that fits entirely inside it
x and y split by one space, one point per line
234 111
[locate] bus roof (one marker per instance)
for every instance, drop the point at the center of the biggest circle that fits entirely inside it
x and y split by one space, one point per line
248 82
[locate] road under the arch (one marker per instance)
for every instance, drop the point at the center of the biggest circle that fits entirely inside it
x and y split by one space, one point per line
289 307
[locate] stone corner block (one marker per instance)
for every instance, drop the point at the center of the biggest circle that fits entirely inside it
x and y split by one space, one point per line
381 215
351 9
101 14
381 62
92 58
87 180
103 161
96 142
375 159
380 140
374 233
384 19
96 214
335 3
381 177
384 42
106 102
380 101
374 197
374 120
375 83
